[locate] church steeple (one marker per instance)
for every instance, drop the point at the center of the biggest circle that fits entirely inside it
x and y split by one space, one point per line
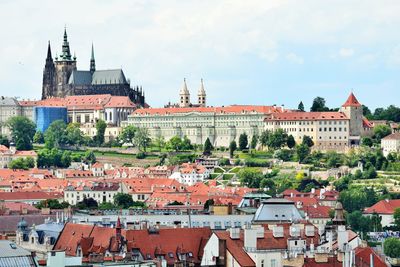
49 58
92 61
66 54
201 95
184 96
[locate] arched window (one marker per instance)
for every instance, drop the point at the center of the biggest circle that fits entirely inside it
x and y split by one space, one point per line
262 263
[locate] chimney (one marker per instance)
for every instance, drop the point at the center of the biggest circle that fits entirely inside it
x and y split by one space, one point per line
250 238
234 233
343 237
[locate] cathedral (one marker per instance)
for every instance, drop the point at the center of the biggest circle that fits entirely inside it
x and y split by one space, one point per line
61 78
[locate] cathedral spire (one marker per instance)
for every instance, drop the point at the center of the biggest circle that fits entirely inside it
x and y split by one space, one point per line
92 61
49 57
66 54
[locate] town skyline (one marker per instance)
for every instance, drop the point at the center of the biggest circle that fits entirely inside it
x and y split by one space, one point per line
244 51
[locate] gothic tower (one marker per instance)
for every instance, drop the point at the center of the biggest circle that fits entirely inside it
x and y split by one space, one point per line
184 96
65 64
49 75
92 62
201 96
354 111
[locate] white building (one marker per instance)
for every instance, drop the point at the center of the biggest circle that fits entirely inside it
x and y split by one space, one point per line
101 192
191 173
391 144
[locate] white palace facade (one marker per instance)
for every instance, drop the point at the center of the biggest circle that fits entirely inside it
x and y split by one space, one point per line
329 130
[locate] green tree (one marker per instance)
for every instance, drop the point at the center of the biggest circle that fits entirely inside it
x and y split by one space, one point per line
89 157
302 152
396 218
392 247
175 143
52 204
319 105
300 106
208 147
357 198
290 142
107 206
380 131
127 134
186 143
123 200
87 203
142 139
73 134
243 141
4 141
264 138
100 131
277 139
366 111
333 159
254 141
308 141
159 142
366 141
250 177
22 163
232 148
55 135
22 132
38 138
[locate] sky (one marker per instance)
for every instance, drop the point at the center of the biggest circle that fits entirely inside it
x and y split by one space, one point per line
248 52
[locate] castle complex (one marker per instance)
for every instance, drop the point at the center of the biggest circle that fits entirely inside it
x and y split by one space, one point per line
328 130
61 78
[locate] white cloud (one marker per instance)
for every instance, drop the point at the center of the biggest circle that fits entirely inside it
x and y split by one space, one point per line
292 57
346 52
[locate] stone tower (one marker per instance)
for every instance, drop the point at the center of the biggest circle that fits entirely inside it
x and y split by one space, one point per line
354 111
201 96
92 62
65 64
339 215
49 75
184 96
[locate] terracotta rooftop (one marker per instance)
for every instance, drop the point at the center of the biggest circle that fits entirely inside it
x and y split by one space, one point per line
306 116
386 206
351 101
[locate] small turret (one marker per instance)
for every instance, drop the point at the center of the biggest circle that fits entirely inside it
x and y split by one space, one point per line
184 96
201 95
92 62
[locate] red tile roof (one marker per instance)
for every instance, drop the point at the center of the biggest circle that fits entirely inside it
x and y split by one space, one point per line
70 236
306 116
363 257
228 109
386 206
29 195
120 101
351 101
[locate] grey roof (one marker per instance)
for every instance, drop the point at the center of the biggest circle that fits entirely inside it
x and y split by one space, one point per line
8 101
99 77
80 77
109 77
277 210
50 228
11 255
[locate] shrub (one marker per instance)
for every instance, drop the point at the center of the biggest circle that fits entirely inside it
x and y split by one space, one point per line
140 155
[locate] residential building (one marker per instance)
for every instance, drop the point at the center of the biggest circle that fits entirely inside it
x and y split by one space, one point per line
385 209
13 255
99 191
9 154
391 144
276 210
31 198
168 247
9 107
191 173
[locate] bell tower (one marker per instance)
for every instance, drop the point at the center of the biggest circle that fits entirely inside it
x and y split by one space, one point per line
65 65
201 96
184 96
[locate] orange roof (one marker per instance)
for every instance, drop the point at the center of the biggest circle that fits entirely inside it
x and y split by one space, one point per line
25 153
29 195
351 101
363 257
306 116
386 206
120 101
228 109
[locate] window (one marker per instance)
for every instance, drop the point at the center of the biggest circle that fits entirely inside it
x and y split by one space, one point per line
273 263
262 263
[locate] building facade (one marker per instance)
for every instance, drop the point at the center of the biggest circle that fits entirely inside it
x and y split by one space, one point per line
391 144
61 78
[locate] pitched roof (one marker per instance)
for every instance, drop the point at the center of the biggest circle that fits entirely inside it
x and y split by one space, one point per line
29 195
393 136
306 116
70 236
351 101
235 248
386 206
119 101
228 109
108 77
363 257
